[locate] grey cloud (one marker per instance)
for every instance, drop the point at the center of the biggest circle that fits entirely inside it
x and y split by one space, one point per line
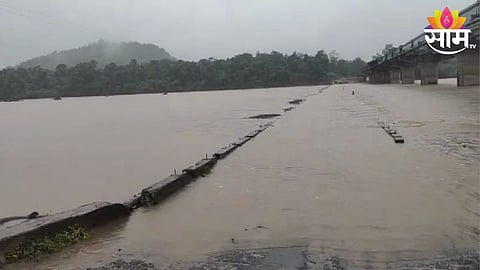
194 29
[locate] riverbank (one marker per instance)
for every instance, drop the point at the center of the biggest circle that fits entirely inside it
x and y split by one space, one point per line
162 92
244 71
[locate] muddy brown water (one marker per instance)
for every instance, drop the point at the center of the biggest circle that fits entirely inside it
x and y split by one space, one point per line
324 176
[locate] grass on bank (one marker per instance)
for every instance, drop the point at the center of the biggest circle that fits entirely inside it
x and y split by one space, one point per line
48 244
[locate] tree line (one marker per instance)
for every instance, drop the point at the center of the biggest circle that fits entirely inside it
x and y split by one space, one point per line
241 71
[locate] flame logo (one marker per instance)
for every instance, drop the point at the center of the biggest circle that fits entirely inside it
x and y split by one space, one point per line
446 19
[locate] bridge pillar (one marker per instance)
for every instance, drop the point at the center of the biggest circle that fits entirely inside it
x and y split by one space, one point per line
428 73
386 77
373 77
408 74
394 75
467 68
379 76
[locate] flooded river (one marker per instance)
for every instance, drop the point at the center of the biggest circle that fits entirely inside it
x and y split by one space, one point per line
56 155
325 177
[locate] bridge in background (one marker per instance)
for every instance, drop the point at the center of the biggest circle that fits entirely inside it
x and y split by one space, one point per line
398 64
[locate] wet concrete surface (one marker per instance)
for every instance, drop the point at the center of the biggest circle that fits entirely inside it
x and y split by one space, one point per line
294 258
126 265
324 188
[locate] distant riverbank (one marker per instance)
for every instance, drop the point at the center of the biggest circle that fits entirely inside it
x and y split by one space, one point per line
153 92
244 71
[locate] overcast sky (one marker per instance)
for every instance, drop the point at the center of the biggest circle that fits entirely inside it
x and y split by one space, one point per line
196 29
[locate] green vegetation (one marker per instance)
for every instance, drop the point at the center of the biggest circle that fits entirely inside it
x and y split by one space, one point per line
49 244
242 71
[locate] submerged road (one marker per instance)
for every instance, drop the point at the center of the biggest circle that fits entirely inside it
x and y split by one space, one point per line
324 188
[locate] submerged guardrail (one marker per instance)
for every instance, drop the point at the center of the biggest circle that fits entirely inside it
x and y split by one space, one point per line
98 213
392 132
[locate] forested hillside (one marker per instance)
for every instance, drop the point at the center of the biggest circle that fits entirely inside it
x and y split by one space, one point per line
242 71
103 53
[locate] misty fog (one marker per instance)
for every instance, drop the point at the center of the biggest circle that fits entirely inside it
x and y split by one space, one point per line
192 30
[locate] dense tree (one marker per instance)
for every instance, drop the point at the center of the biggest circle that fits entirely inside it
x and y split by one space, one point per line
241 71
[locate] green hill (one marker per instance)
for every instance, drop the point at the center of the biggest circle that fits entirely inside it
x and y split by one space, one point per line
103 53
